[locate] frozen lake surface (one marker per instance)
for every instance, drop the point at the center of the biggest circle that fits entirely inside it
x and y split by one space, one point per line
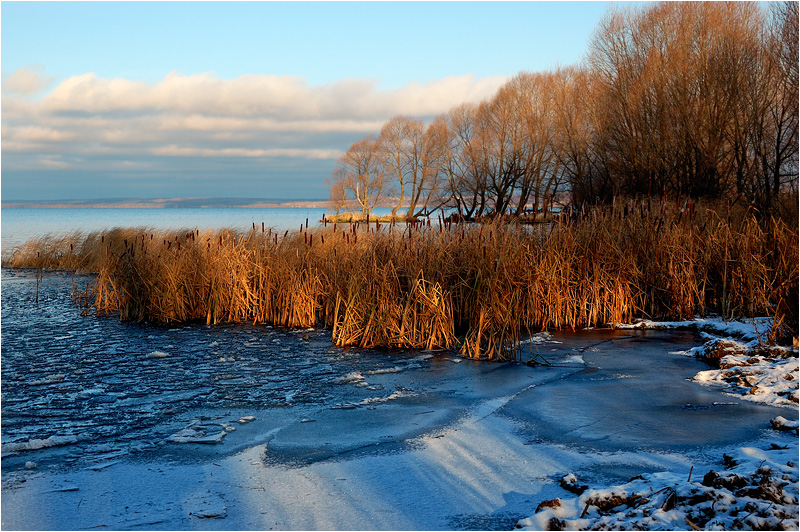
128 426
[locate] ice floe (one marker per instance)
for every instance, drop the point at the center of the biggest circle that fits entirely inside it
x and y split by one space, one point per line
50 379
36 444
352 377
206 505
200 432
400 393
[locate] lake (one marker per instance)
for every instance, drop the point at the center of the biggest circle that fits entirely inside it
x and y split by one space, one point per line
121 425
20 224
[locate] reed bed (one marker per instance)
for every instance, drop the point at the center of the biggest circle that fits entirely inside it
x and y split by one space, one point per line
477 288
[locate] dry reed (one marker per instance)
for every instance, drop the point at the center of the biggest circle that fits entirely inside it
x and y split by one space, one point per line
419 285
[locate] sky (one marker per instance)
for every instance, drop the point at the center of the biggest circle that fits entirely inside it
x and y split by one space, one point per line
245 99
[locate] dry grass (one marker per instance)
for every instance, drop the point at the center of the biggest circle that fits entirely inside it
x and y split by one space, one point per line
478 288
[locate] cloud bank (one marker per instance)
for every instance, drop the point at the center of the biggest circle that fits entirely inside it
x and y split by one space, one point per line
252 116
89 135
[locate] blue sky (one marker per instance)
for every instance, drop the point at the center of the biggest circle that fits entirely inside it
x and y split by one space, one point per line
224 99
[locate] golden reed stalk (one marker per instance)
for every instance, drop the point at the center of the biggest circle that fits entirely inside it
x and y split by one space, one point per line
414 286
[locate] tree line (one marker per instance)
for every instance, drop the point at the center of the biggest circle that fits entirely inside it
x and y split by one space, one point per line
698 100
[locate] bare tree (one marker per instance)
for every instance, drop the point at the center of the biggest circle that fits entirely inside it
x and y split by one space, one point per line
338 194
360 174
406 146
577 147
675 81
459 162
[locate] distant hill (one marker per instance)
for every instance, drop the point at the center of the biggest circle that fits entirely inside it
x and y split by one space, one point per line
165 203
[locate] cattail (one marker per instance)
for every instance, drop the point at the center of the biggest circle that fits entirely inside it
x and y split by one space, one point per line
311 239
262 227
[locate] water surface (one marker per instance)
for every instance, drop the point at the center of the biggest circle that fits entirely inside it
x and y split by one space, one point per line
20 224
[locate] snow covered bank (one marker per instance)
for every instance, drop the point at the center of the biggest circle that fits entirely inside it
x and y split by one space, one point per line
750 489
763 375
746 365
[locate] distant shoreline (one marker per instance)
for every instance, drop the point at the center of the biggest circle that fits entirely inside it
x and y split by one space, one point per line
168 203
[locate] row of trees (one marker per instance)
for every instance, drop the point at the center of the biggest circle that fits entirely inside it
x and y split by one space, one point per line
698 99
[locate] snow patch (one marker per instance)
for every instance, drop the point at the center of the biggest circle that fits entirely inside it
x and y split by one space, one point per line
757 374
749 330
754 489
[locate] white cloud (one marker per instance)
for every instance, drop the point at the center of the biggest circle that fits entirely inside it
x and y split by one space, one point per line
41 134
178 151
283 97
26 81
